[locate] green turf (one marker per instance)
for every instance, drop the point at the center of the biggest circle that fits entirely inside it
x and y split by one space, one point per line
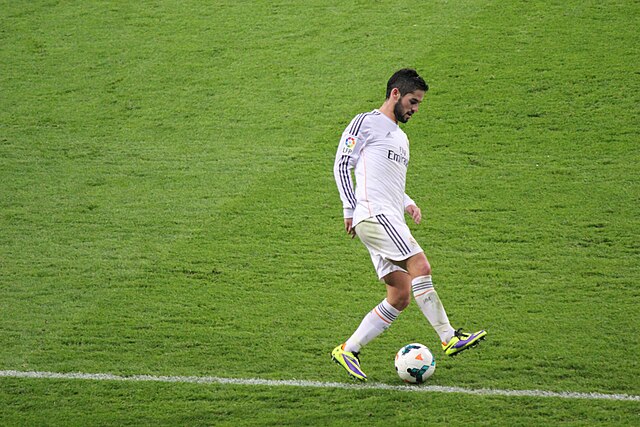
167 206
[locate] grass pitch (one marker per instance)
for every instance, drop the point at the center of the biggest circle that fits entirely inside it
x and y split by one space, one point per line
168 207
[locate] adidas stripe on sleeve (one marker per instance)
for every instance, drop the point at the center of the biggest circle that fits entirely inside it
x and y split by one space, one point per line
347 155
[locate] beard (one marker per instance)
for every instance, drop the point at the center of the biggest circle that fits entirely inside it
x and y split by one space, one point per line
397 112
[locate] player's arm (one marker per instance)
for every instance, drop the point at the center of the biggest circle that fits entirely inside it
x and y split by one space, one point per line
345 161
412 209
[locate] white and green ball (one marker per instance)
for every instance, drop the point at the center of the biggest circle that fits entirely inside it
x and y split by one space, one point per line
415 363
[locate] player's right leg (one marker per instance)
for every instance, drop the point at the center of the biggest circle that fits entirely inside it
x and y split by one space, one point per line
379 319
349 361
374 323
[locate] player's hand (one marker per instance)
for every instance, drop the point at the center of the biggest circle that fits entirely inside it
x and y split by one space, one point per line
415 213
348 226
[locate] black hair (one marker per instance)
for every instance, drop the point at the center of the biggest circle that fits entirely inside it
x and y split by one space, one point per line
406 80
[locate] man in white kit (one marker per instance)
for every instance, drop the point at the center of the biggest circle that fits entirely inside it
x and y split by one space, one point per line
377 150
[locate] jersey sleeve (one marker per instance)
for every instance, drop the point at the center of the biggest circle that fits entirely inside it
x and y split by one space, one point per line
408 201
347 155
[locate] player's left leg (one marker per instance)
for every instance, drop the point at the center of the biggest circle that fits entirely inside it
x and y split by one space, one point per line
426 296
453 342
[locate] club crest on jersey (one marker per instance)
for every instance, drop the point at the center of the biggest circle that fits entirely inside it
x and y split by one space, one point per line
349 143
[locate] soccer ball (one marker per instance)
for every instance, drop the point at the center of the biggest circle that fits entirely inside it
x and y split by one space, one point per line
415 363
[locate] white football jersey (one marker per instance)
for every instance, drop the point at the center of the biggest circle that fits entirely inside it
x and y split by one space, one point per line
378 150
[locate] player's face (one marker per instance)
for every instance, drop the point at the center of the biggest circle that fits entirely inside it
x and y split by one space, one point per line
407 105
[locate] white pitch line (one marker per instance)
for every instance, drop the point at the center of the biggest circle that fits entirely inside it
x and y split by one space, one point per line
318 384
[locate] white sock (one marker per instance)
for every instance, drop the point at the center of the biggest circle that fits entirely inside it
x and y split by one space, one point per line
374 323
431 306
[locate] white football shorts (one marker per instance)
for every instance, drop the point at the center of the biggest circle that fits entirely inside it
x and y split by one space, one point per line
387 240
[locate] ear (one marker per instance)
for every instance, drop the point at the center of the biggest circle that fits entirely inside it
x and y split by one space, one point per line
395 93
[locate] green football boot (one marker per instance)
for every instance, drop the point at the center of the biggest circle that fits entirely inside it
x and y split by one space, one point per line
462 341
349 361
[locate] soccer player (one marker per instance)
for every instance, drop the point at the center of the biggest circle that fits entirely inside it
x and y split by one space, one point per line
378 150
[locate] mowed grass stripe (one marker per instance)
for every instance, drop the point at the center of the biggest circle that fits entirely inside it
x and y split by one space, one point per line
316 384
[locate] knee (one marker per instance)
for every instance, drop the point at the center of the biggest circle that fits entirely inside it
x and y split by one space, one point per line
400 301
423 269
405 301
418 265
426 270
